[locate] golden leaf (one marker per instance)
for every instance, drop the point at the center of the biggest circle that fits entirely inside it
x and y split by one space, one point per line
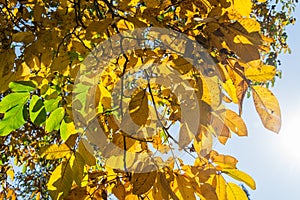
119 190
224 161
11 174
185 135
251 25
55 151
241 176
220 187
235 192
267 107
142 182
138 107
105 96
60 181
261 73
165 188
183 187
221 130
243 7
77 165
230 89
234 122
211 93
86 151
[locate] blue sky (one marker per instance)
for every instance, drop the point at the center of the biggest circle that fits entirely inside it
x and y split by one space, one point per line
273 160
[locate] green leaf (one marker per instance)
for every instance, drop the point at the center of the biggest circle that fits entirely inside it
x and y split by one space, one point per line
53 121
67 128
12 100
241 176
15 113
54 151
37 110
52 104
22 86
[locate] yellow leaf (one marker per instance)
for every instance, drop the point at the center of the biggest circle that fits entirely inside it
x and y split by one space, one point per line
119 190
77 165
105 96
125 25
267 107
184 188
138 107
234 122
131 197
241 176
220 187
234 192
185 136
55 151
231 90
142 182
86 151
251 25
211 93
96 27
60 181
221 130
243 7
204 146
11 174
181 65
224 161
241 39
260 73
164 187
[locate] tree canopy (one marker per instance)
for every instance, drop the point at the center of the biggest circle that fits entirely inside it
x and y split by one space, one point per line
127 98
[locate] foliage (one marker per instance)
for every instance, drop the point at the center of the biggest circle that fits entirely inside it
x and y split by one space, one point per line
45 44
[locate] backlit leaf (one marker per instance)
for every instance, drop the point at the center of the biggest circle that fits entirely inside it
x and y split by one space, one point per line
234 122
184 188
86 151
220 187
235 192
55 151
15 112
267 107
77 165
60 181
22 86
260 73
37 110
119 190
53 121
241 176
138 108
52 104
142 182
67 128
12 100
